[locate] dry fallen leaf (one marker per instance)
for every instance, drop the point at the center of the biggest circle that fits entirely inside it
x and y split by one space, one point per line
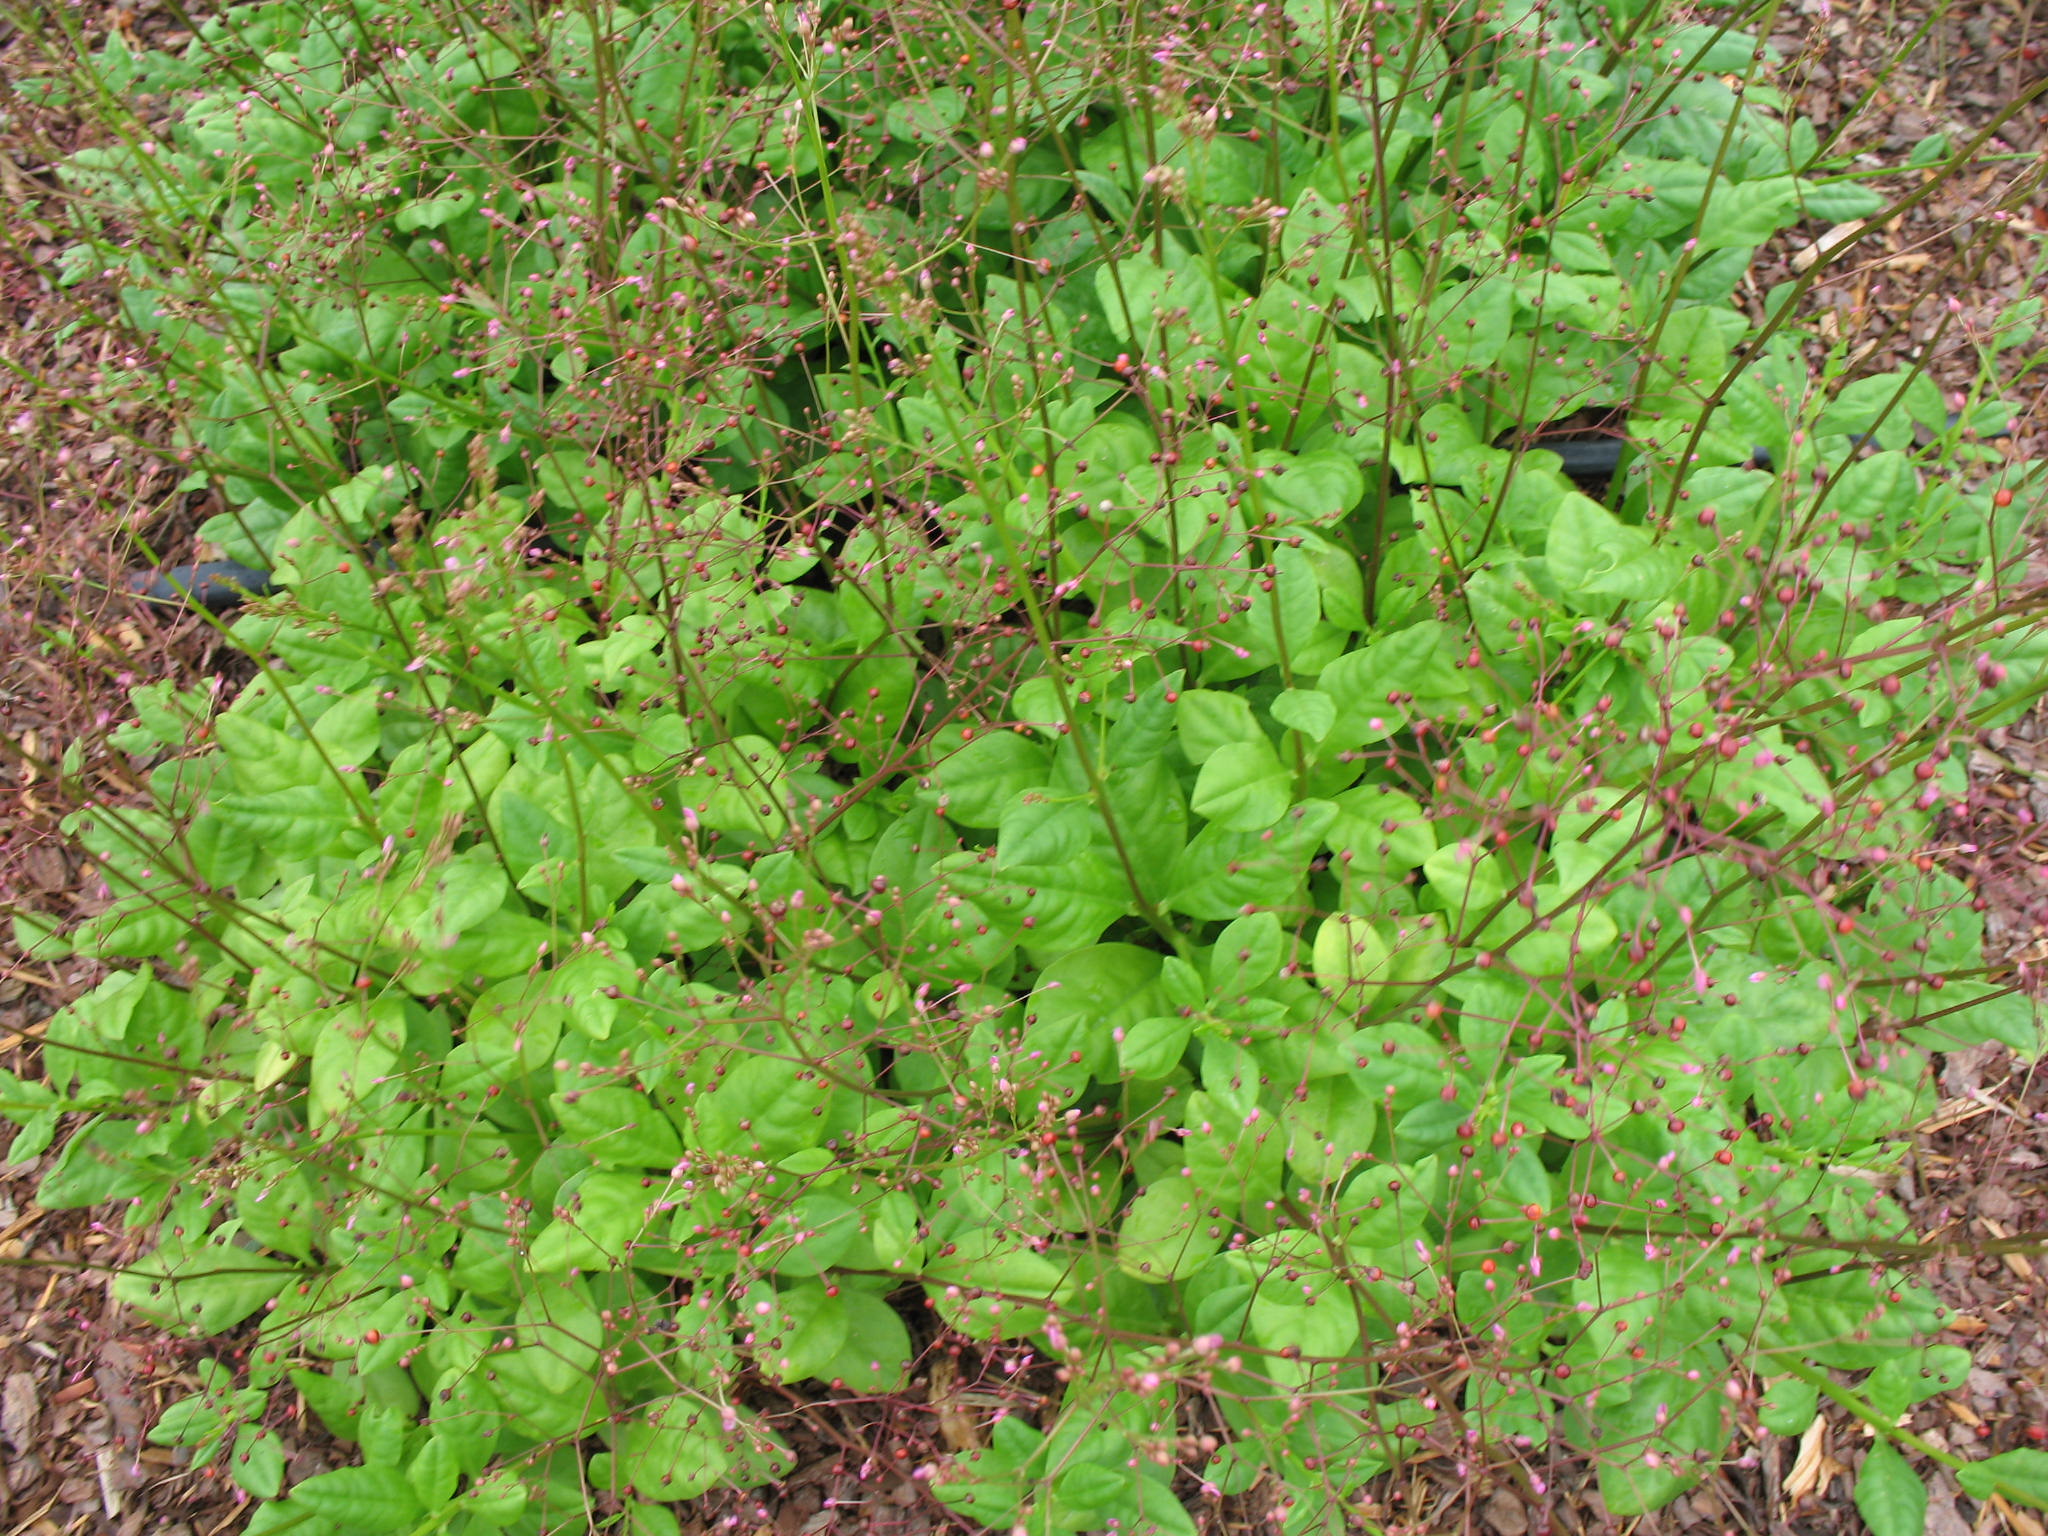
2018 1521
1827 244
956 1427
1815 1468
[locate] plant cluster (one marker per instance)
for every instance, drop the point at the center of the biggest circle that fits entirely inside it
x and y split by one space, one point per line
929 674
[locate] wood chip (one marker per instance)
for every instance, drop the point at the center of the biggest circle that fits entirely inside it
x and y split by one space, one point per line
1504 1513
20 1408
2016 1262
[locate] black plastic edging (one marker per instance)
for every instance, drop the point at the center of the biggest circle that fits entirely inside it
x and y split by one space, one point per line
215 585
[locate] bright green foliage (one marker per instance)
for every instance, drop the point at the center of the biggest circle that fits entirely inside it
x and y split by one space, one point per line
897 707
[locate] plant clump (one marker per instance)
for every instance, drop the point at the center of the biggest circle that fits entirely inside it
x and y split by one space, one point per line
928 675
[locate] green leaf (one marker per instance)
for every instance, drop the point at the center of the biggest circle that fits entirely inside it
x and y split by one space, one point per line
1330 1130
1748 213
1315 237
1470 880
1169 1232
1222 874
607 1217
1236 1161
190 1421
434 1472
925 119
973 785
257 1464
1889 1494
497 1499
1306 710
618 1127
1349 956
1371 686
1152 1048
877 1352
1465 327
1087 1486
1304 1304
209 1284
375 1500
2021 1476
354 1056
1591 552
297 822
809 1236
674 1449
465 1413
1898 1384
1242 786
803 1333
990 1285
763 1109
1038 828
1788 1405
433 212
1246 955
336 1400
1836 202
1207 720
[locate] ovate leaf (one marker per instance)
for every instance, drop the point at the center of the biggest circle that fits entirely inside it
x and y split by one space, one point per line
1889 1494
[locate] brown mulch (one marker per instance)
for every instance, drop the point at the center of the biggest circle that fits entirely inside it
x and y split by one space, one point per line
80 1382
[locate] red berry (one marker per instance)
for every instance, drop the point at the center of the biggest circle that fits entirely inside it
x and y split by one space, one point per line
2001 497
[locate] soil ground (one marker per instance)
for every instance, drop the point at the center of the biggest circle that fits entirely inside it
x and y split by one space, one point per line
80 1382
